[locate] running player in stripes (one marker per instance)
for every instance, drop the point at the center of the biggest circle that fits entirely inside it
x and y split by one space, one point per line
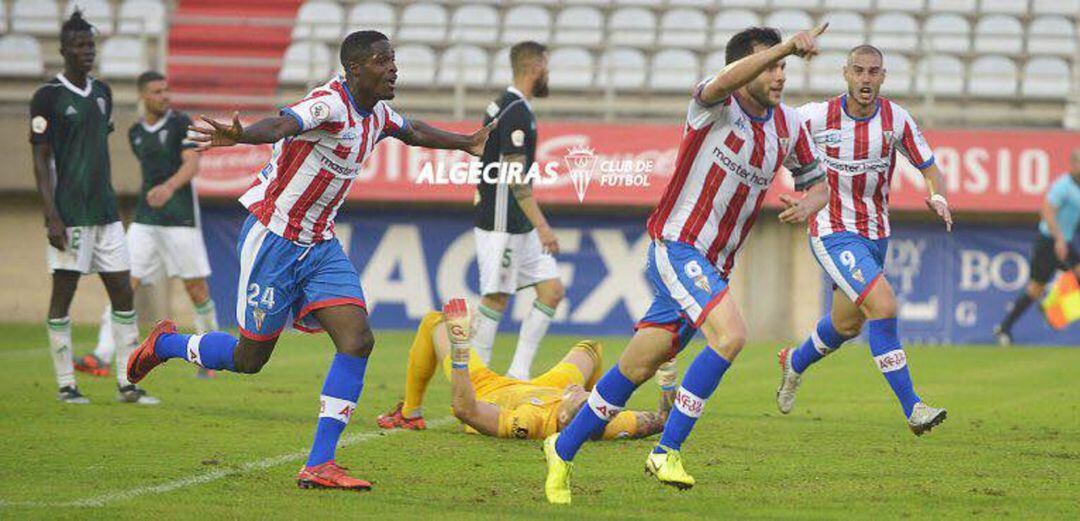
737 136
290 261
858 135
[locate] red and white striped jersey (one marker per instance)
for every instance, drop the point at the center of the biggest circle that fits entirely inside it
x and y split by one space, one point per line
859 156
726 163
297 195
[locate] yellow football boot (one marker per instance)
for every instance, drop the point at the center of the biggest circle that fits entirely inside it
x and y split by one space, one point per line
667 467
557 486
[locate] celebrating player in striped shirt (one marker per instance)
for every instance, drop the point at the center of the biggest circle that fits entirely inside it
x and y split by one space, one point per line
737 136
290 261
859 135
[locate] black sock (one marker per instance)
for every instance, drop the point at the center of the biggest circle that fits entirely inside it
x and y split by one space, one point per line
1019 307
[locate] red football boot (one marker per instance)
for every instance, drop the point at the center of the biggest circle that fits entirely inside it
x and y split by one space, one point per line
92 365
144 358
396 420
329 475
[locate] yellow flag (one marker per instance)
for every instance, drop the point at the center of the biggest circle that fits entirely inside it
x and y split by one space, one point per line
1062 304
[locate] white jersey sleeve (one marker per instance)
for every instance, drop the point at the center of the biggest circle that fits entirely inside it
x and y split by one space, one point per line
802 156
912 144
701 114
320 110
395 123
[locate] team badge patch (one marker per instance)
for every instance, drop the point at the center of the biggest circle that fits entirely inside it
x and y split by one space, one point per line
517 137
320 111
259 315
164 135
101 105
39 124
857 275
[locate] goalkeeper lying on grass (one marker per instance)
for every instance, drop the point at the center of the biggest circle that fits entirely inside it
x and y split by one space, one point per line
495 405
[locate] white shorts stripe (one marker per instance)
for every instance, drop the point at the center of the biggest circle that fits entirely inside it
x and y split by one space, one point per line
336 408
252 244
689 403
892 361
822 254
674 285
601 407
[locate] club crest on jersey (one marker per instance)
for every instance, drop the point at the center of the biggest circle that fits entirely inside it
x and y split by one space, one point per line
888 137
857 275
320 111
784 142
101 104
39 124
164 135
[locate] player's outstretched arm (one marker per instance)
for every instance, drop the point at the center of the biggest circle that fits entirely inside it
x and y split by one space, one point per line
43 158
735 75
482 416
420 134
267 130
935 201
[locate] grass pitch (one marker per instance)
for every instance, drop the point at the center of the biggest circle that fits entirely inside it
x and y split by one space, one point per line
230 448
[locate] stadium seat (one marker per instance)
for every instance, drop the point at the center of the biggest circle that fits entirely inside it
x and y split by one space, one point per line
742 4
898 73
998 34
416 65
906 6
571 68
795 76
632 26
1013 7
98 12
122 57
579 25
895 32
465 63
423 22
846 30
674 70
727 23
622 68
1065 7
683 28
713 63
376 16
1053 35
1046 78
950 6
20 55
501 73
797 4
692 3
827 73
941 74
861 6
789 22
947 32
141 17
526 22
474 24
38 17
992 77
319 20
306 62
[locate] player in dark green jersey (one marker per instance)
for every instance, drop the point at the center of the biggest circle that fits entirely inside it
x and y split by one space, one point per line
70 122
514 243
166 239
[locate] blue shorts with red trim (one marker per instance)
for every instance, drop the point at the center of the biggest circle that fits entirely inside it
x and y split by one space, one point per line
280 278
686 286
853 262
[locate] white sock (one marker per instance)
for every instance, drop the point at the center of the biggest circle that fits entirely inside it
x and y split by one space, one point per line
60 349
485 326
205 317
106 346
125 331
533 329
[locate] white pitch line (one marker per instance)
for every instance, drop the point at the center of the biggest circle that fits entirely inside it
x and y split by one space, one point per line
207 477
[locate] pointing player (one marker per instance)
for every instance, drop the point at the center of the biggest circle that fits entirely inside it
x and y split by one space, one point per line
166 237
506 407
858 135
514 242
290 261
736 137
70 122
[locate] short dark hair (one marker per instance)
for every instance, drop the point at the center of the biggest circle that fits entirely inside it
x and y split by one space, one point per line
742 44
147 77
75 24
523 53
866 48
357 45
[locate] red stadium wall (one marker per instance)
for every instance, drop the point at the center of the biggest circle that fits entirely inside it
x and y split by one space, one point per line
995 170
